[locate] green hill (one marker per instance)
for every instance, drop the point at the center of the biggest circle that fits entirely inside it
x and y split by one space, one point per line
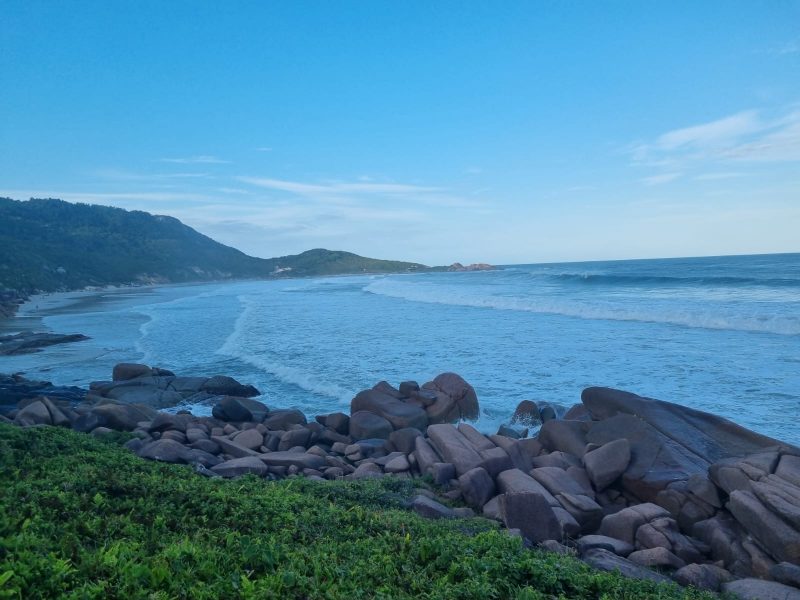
49 245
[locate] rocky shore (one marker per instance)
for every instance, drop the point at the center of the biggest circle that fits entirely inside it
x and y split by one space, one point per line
650 488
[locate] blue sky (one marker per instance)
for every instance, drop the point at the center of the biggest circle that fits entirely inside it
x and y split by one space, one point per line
505 132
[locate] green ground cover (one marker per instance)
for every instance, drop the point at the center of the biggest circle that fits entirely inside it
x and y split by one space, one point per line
84 518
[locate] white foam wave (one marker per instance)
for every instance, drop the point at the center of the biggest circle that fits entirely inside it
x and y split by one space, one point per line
236 345
686 317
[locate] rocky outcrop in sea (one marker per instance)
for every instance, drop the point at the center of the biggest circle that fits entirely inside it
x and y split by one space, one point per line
652 489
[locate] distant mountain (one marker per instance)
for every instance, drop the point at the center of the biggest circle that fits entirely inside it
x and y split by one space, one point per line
49 245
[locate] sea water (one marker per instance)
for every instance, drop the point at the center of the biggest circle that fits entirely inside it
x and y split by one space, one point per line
718 334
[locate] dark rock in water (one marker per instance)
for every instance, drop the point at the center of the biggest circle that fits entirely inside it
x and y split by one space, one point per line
408 387
227 386
365 425
526 414
513 432
14 388
127 371
608 561
232 408
547 413
29 342
456 399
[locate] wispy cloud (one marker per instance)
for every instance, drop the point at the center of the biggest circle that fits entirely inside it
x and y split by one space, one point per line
660 179
747 136
337 188
263 149
719 176
202 159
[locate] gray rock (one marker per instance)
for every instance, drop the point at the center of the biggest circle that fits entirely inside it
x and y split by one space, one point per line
786 573
294 438
624 524
397 465
408 387
456 399
514 480
606 464
241 466
618 547
302 460
339 422
222 385
527 414
430 509
656 557
366 471
780 539
453 447
566 436
404 439
251 439
583 509
605 560
531 513
477 487
443 473
559 459
168 451
122 417
789 468
556 547
281 420
557 481
35 413
479 441
368 425
126 371
399 413
491 510
232 448
758 589
425 455
702 576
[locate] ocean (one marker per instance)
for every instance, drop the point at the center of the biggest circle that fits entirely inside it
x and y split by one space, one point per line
719 334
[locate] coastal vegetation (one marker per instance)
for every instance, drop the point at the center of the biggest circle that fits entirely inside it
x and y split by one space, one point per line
84 518
50 245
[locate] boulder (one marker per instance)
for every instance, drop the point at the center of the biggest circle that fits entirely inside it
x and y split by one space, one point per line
526 414
221 385
656 557
293 438
605 560
399 413
607 463
233 448
123 417
366 425
780 539
780 497
618 547
586 512
557 481
454 447
514 481
702 576
232 408
431 509
758 589
407 388
566 436
168 451
425 455
532 514
127 371
477 487
366 471
786 573
35 413
384 387
476 438
789 468
456 399
250 438
624 524
241 466
398 464
339 422
302 460
404 440
281 420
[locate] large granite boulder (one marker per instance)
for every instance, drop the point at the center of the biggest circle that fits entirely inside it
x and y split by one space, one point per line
455 399
399 413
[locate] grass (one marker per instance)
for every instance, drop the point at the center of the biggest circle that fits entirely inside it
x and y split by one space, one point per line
84 518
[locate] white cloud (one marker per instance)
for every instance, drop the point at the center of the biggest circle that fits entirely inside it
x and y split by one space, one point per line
202 159
714 133
660 179
720 175
312 189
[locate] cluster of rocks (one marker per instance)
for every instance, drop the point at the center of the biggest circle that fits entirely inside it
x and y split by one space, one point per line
624 482
10 301
28 342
